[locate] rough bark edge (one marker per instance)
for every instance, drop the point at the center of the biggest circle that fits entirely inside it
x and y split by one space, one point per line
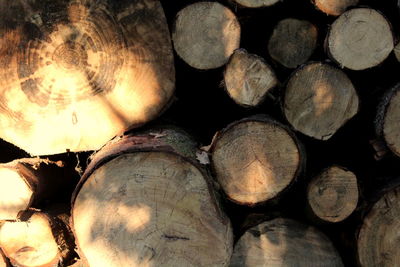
328 33
310 212
379 120
269 120
283 96
256 57
150 140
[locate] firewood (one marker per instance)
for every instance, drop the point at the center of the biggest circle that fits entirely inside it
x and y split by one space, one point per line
387 121
319 99
35 240
334 7
76 73
360 38
292 42
145 200
24 182
256 3
255 159
248 78
284 242
206 34
333 194
378 239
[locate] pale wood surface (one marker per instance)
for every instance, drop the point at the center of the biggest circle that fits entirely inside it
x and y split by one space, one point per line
391 123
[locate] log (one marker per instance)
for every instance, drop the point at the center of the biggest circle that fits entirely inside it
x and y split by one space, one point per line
248 78
206 34
284 242
145 200
256 3
3 259
26 182
334 7
396 51
76 73
378 238
292 42
319 99
255 159
387 119
333 194
35 240
359 39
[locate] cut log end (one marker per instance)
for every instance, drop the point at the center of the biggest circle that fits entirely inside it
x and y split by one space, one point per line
284 242
248 78
319 99
292 42
254 160
334 7
333 194
360 38
206 34
176 220
256 3
379 237
30 243
391 125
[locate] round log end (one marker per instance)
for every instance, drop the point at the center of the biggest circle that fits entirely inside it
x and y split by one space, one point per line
334 7
391 125
256 3
319 99
206 34
333 194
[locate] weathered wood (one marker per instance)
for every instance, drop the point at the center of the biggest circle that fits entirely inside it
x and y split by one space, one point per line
284 242
248 78
24 182
145 201
206 34
319 99
292 42
334 7
387 120
255 159
76 73
333 194
359 39
379 236
256 3
35 240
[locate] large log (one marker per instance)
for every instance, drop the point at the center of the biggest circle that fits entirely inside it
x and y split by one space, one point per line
145 201
379 237
255 159
284 242
333 194
359 39
206 34
334 7
319 99
76 73
248 78
25 182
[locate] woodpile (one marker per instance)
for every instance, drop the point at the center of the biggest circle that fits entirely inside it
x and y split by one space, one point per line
199 133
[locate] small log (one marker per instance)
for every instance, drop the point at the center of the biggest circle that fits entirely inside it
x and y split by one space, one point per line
292 42
284 242
255 159
359 39
387 120
206 34
379 237
78 73
248 78
319 99
25 182
333 194
256 3
334 7
35 240
147 196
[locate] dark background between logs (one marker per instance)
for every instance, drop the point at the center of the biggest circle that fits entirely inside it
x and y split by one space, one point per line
202 107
